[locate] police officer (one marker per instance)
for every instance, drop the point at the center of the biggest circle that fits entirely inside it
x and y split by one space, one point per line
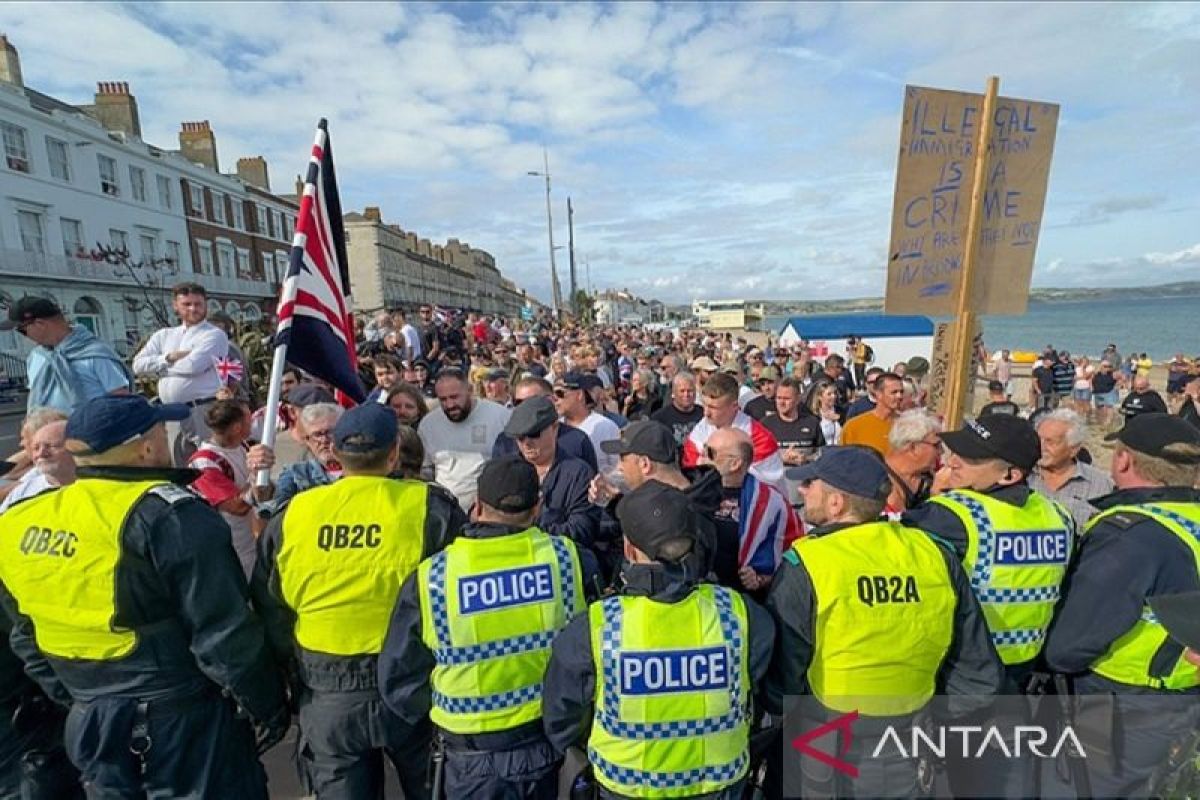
872 617
329 571
128 603
657 681
1145 542
1013 542
470 638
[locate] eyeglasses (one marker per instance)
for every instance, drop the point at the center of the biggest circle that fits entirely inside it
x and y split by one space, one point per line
326 435
561 393
710 454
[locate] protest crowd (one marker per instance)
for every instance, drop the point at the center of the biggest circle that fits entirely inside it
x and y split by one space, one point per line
565 560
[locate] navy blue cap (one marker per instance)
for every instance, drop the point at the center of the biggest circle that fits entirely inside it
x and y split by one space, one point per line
580 380
104 422
364 428
854 470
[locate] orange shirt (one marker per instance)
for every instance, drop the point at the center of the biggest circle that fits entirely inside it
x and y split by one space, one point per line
868 429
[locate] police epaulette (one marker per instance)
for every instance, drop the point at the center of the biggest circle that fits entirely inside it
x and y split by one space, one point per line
1124 519
172 493
792 557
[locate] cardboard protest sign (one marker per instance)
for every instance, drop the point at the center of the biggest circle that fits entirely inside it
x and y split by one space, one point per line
933 197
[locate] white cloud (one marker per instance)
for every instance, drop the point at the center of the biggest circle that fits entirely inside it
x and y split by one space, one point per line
710 148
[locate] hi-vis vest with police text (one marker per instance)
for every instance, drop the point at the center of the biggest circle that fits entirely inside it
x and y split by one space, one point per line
58 557
1016 560
490 608
884 610
1132 658
346 549
672 693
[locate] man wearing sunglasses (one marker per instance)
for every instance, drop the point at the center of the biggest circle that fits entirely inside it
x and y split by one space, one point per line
68 364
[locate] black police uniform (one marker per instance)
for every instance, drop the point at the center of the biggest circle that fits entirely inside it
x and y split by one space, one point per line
569 691
1124 559
486 765
339 704
164 721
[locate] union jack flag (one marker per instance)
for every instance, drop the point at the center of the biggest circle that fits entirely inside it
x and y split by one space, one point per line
229 370
314 306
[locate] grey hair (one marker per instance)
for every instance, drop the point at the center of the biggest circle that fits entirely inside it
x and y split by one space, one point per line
309 415
913 426
649 380
685 377
1076 435
39 418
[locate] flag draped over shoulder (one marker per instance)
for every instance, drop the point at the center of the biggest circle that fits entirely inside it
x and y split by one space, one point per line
314 308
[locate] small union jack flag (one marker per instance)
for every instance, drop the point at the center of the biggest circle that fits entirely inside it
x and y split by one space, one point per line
229 370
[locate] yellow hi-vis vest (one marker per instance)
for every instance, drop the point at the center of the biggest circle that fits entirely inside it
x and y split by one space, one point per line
1130 659
58 557
672 693
489 610
884 611
347 547
1016 560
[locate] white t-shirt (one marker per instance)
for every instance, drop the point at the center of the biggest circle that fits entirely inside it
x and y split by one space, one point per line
457 450
32 483
600 428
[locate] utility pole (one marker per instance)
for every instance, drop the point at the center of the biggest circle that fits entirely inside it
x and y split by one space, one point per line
571 250
554 287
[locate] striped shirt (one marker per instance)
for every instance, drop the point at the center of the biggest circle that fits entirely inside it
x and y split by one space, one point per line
1084 484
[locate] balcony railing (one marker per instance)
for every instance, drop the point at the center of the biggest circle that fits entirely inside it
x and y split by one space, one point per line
39 265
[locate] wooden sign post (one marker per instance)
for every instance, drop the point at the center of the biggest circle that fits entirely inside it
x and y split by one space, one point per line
970 191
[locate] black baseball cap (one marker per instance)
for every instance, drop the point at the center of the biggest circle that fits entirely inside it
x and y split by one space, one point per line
644 438
580 380
509 484
1180 615
1155 433
853 470
531 417
307 394
995 386
659 520
104 422
365 428
27 309
1012 439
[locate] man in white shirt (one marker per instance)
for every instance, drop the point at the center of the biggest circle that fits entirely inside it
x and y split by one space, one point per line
459 435
412 337
184 359
574 403
52 466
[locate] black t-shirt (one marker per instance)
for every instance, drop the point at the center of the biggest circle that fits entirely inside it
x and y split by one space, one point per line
1190 412
681 424
1143 403
760 407
1006 407
727 517
804 432
429 335
1044 378
1104 382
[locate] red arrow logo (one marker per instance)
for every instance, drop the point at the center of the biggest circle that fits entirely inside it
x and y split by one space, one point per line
803 743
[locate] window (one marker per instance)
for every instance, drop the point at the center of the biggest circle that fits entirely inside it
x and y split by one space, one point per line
137 183
149 245
218 207
288 228
224 258
243 263
205 258
262 220
119 240
281 264
32 226
277 219
268 267
175 254
239 214
60 159
16 147
72 233
108 176
197 195
164 191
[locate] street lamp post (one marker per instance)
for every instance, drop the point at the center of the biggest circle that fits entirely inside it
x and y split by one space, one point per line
549 232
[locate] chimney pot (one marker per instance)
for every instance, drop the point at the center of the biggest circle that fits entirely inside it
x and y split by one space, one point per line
198 144
373 214
254 172
115 108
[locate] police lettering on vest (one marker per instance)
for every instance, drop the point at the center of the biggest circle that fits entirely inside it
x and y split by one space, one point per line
657 672
1032 547
46 542
352 537
510 587
874 589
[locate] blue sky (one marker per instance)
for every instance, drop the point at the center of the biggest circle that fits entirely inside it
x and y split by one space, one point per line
710 150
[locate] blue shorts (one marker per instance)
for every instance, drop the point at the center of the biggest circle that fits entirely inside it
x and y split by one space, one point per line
1082 395
1106 399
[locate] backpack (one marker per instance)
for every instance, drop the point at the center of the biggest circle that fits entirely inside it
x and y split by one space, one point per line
869 353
